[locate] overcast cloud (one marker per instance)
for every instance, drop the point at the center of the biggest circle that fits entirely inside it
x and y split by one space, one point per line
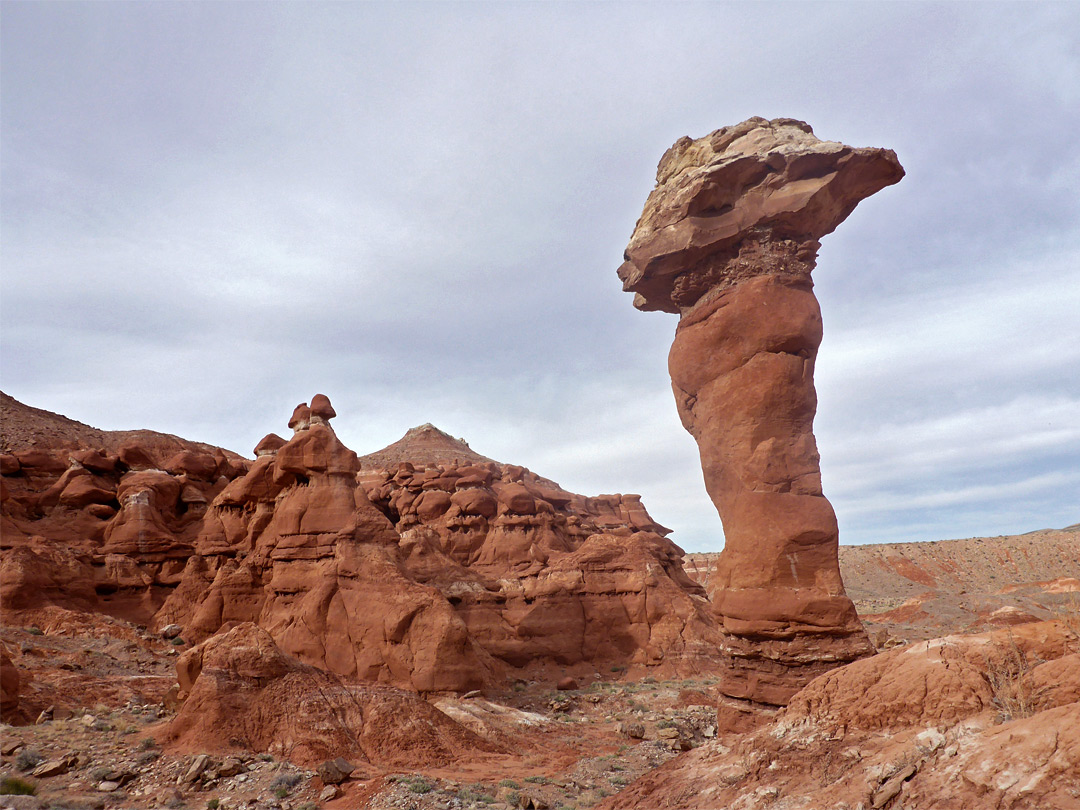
210 212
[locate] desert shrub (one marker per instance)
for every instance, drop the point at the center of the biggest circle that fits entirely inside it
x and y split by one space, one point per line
16 786
213 804
281 792
666 723
473 794
417 784
1006 673
35 631
178 642
510 783
100 773
285 780
146 757
619 781
27 759
146 743
537 780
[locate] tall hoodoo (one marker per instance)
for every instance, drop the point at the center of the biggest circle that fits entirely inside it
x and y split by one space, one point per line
728 240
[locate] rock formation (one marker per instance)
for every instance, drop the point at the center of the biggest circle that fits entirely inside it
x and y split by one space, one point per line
728 239
245 694
966 721
539 574
424 566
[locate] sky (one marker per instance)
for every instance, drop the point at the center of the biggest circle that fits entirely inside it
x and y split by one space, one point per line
209 212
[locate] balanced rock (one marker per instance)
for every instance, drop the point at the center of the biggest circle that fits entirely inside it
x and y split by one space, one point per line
301 417
269 445
321 407
728 239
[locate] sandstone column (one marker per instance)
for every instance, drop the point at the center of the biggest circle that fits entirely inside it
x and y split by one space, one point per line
728 239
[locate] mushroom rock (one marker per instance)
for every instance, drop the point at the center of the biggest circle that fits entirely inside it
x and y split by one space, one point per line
301 417
146 523
728 239
269 445
137 458
201 466
321 408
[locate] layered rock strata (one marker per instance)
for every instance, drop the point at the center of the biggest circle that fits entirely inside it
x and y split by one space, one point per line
424 566
541 574
728 240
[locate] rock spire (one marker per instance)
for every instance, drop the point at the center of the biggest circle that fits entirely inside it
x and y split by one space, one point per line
728 240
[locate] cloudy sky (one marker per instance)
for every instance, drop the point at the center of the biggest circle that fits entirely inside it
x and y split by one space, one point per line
211 212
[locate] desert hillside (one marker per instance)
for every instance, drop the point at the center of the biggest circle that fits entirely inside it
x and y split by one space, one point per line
910 591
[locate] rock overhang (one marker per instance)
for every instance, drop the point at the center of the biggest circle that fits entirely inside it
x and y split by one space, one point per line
757 181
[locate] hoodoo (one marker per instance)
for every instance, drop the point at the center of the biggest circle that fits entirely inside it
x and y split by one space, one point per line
728 240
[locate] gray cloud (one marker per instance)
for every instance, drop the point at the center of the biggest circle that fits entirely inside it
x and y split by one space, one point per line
212 211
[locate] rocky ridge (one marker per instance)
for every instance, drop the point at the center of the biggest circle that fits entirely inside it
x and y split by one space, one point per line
431 576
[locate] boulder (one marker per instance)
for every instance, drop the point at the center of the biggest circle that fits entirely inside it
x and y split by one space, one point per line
334 771
243 687
9 464
301 417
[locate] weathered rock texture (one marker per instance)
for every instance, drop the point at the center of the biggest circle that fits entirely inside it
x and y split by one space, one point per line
728 239
245 694
969 721
443 573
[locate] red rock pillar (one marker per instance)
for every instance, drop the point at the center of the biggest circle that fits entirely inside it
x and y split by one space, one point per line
728 239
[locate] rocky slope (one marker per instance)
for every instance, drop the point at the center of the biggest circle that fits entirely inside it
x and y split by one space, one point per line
728 239
990 720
